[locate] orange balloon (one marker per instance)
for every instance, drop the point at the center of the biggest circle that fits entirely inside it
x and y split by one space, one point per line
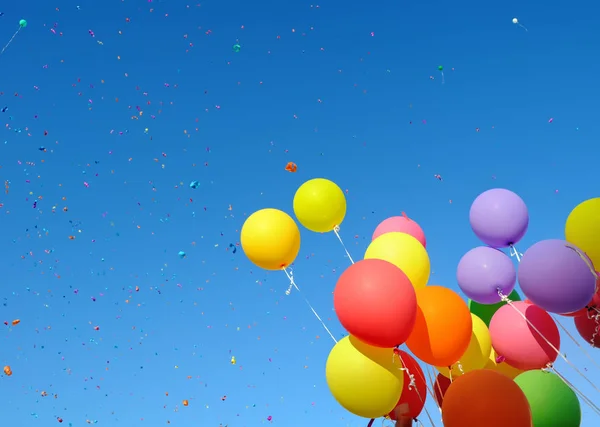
443 328
485 398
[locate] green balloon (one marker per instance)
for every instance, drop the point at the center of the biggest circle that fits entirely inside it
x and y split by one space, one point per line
22 23
552 402
486 311
441 68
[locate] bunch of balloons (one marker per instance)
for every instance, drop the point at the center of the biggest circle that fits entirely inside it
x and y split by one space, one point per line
383 302
494 353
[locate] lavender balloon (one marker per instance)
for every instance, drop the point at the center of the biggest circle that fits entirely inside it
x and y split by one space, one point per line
499 218
484 270
555 276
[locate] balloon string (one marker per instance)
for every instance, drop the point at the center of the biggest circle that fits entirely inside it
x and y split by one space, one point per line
514 252
586 399
577 343
10 41
431 390
290 276
371 422
596 317
532 326
336 230
413 385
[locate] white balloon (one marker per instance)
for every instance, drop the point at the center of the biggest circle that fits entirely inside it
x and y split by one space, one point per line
515 21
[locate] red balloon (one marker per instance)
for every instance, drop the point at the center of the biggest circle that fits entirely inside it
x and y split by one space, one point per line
376 303
589 328
440 387
412 398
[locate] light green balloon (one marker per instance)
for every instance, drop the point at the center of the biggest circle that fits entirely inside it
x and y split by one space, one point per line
23 23
486 311
552 402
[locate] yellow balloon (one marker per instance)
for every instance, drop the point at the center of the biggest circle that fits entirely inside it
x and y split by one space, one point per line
583 229
365 380
477 354
502 367
405 252
270 239
320 205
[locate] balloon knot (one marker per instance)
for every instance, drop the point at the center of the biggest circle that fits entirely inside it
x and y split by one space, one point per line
500 359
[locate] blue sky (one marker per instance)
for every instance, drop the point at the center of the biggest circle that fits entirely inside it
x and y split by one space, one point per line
105 131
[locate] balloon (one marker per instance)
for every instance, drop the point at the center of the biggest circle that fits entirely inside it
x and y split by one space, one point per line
518 342
440 387
270 239
499 218
365 380
556 277
483 271
376 303
588 327
401 224
320 205
486 311
498 364
515 21
594 303
443 328
552 402
405 252
477 354
412 399
485 398
22 23
583 229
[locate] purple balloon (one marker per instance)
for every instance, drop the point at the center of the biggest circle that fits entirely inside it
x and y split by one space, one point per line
499 218
555 276
484 270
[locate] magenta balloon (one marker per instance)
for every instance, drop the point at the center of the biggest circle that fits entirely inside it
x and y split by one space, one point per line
400 224
555 276
499 218
483 271
518 342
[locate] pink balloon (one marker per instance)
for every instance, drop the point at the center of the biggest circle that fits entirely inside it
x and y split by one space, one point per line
400 224
519 343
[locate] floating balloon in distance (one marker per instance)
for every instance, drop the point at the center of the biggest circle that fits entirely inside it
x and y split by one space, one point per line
412 399
583 229
270 239
440 387
405 252
588 326
556 276
477 354
443 327
365 380
375 302
320 205
486 311
499 218
483 272
498 364
485 398
518 342
401 224
552 402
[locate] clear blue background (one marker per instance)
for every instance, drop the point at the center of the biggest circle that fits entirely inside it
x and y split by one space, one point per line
346 90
